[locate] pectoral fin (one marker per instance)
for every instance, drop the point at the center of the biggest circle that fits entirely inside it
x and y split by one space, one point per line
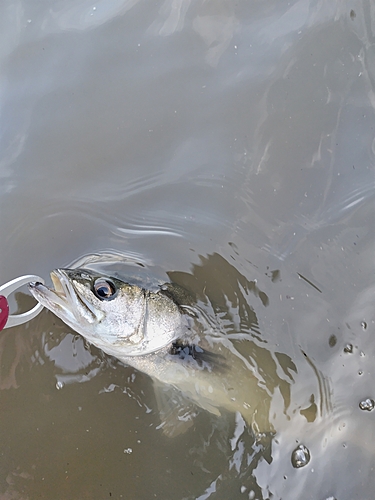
176 412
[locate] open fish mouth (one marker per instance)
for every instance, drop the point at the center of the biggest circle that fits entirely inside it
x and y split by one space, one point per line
63 300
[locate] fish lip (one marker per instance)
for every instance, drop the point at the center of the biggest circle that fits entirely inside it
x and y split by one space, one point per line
65 288
63 297
45 295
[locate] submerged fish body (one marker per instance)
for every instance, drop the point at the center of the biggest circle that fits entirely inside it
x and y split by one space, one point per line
216 379
150 331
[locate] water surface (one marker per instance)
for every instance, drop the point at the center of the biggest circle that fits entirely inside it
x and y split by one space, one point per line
228 147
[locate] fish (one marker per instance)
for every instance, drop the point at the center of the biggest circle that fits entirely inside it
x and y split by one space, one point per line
156 332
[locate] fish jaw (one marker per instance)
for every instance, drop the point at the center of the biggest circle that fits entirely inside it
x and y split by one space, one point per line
64 301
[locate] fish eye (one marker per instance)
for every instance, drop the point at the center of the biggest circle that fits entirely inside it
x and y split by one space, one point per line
104 289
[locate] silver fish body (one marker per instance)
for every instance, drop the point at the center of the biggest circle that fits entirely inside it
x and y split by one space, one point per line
150 331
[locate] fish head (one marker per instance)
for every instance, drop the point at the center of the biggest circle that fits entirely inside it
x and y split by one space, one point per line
121 318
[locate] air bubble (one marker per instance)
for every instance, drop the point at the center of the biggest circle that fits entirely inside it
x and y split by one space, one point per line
300 456
59 385
348 348
367 404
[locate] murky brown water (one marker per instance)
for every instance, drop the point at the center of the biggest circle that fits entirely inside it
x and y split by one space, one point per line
227 146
